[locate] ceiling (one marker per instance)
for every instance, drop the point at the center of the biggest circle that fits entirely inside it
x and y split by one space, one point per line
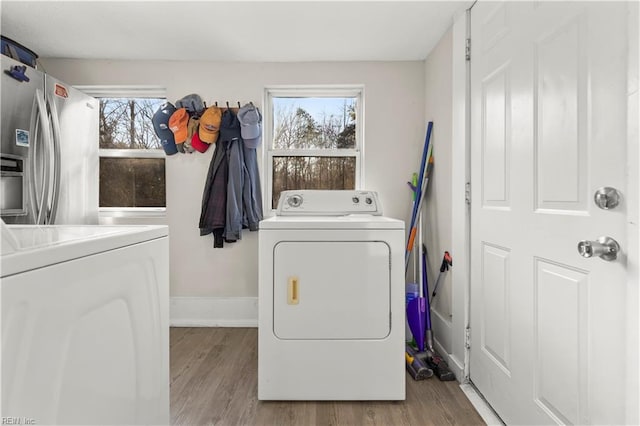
255 31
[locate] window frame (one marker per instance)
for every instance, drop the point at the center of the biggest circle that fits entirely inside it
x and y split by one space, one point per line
310 91
106 91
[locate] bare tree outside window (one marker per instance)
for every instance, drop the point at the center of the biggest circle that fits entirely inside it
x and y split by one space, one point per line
126 123
132 179
313 124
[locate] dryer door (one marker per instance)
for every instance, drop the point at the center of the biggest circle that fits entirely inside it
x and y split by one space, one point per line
331 290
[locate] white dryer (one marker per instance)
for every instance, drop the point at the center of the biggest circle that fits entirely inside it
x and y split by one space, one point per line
331 299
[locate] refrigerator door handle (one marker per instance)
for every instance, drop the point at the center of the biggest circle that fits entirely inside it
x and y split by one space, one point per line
42 122
34 125
55 173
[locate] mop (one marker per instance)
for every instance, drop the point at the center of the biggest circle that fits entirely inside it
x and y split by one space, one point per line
416 308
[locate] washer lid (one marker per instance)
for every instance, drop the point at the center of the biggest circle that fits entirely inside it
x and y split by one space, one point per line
354 221
38 246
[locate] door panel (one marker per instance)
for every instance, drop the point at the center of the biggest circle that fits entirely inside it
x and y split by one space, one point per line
561 314
561 141
495 289
17 102
19 138
331 290
548 128
495 139
76 118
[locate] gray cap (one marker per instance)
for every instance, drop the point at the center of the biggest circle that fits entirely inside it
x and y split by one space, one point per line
192 103
250 125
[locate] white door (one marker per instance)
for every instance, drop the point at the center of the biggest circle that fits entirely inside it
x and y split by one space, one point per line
548 128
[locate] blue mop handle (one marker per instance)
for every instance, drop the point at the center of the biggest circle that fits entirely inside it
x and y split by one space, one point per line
423 165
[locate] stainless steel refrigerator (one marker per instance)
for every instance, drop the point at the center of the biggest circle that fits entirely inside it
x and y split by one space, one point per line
49 152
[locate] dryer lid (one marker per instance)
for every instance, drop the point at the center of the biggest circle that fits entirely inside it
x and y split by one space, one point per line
353 221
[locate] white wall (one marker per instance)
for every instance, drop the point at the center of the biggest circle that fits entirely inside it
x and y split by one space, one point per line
394 133
437 218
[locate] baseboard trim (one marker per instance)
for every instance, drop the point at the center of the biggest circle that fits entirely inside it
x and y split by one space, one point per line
213 312
190 322
457 367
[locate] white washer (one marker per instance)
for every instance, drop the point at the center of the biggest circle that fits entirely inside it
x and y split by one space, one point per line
85 324
331 299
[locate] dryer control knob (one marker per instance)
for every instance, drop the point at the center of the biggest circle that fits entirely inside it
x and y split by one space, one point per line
368 200
355 200
294 200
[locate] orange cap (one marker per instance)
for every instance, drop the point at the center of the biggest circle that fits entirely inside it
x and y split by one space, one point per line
178 124
210 125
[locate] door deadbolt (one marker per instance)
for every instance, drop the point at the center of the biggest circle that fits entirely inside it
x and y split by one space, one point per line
604 247
607 198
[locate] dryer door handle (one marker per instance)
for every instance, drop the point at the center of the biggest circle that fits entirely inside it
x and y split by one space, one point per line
293 293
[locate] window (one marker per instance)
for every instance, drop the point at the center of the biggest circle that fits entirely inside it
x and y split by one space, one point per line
132 161
315 139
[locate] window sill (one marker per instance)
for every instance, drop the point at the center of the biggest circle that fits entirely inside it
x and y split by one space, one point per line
132 212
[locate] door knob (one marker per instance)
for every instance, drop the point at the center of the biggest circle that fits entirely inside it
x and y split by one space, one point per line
606 198
605 247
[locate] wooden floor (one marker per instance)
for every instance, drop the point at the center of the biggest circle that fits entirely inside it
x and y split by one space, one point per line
214 380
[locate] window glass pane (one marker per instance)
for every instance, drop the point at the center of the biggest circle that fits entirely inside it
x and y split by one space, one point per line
125 123
312 173
314 123
132 182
